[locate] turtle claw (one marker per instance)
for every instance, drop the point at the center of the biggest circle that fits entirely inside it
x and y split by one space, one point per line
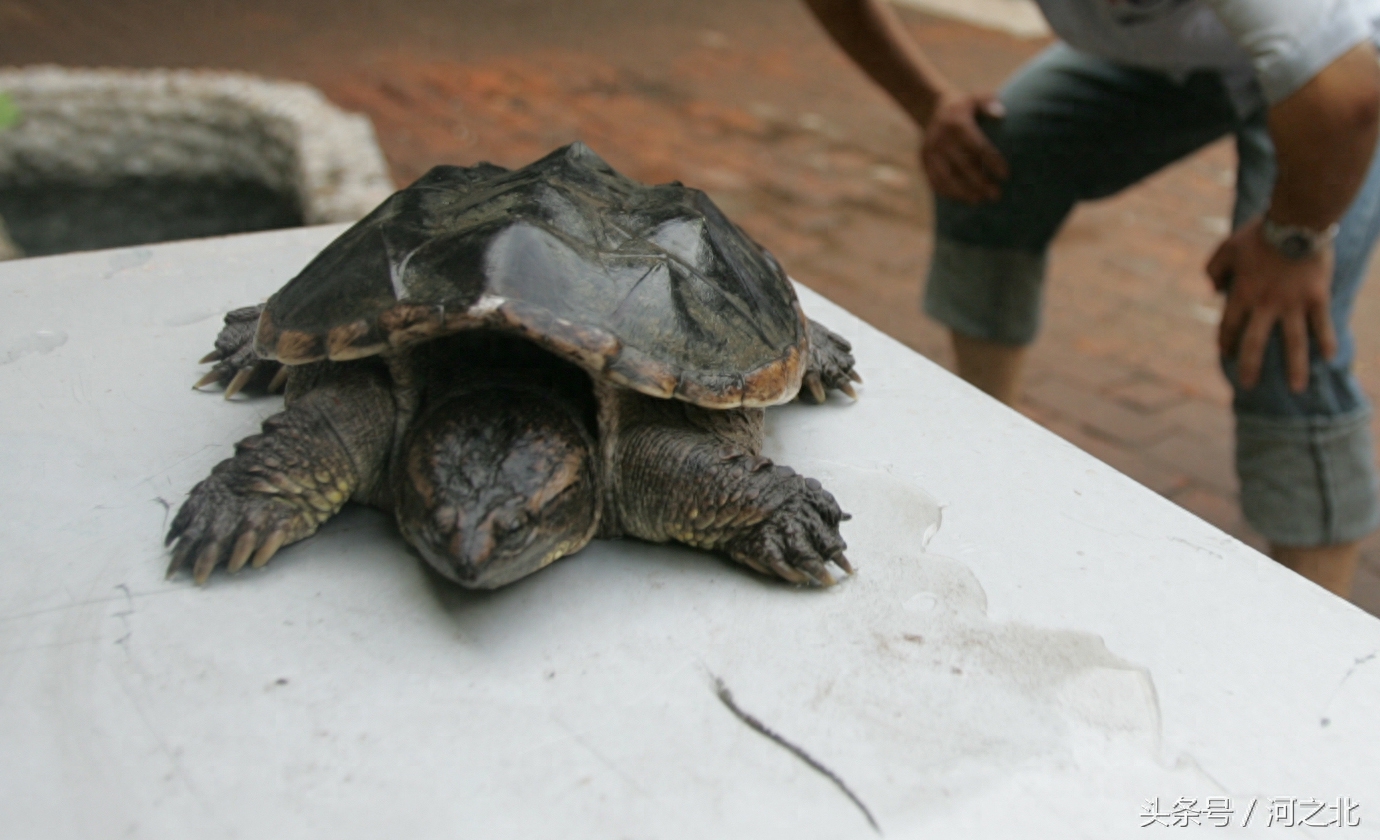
241 379
830 365
237 367
224 520
205 562
818 574
798 536
755 566
245 374
269 548
279 380
179 558
244 546
792 575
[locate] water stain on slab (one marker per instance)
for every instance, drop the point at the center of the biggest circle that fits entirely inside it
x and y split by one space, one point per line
39 341
952 714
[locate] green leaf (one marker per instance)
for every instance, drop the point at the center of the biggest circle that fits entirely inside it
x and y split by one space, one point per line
9 112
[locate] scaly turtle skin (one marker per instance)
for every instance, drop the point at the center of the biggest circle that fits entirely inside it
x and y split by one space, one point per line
515 362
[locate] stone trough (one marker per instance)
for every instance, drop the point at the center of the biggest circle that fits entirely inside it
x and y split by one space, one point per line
110 158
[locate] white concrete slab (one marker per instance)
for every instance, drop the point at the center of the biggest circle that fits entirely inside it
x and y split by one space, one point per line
1033 646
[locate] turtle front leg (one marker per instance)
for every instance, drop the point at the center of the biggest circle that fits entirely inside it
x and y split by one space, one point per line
696 476
330 445
830 366
238 367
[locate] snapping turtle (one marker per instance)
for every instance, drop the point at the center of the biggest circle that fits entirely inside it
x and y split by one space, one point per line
515 362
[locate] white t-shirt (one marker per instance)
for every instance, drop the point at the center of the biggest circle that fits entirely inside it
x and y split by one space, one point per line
1264 48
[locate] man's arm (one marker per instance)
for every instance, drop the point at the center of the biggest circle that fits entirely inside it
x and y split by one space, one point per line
1324 134
959 160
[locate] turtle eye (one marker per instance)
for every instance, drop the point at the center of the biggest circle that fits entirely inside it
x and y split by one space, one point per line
509 522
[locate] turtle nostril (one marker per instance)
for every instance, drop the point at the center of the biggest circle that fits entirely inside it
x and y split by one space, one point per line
477 546
447 519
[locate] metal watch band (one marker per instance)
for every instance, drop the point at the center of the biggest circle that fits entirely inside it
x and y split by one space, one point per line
1295 241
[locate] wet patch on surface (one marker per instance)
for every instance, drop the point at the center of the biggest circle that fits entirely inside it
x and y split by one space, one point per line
39 341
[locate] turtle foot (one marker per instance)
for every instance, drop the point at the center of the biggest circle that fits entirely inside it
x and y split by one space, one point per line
798 538
237 366
272 493
830 366
217 526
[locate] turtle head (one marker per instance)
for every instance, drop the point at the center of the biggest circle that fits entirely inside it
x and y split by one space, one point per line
496 484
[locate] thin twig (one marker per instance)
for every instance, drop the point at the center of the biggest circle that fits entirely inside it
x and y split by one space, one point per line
726 697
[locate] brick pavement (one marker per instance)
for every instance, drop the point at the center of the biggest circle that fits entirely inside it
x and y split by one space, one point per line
748 100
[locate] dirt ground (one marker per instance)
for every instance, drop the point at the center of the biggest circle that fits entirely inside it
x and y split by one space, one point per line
748 100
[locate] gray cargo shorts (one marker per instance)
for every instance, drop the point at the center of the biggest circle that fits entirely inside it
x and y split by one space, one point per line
1079 127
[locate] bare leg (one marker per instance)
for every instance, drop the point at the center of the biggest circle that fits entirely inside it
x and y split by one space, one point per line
330 445
993 367
1332 567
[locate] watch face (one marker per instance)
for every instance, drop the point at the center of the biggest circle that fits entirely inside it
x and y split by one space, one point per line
1296 243
1296 246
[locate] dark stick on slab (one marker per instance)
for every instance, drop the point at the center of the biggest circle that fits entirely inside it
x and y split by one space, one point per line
726 697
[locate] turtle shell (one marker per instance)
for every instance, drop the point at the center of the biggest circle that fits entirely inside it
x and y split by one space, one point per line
649 287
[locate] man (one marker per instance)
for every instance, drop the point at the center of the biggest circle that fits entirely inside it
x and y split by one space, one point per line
1136 85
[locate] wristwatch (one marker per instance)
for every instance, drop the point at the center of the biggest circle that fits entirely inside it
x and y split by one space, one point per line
1295 241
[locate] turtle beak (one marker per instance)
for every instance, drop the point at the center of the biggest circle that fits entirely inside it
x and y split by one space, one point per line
473 545
486 549
471 548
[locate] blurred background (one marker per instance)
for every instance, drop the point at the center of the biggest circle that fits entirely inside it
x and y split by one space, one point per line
748 100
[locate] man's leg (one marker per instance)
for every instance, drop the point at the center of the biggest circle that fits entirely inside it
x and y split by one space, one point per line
1076 127
1333 567
1305 461
992 366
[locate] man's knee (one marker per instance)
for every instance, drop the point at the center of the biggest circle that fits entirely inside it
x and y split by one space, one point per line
1308 481
985 293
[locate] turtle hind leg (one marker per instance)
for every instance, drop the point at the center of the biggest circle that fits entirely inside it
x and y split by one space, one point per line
329 446
696 476
830 366
238 367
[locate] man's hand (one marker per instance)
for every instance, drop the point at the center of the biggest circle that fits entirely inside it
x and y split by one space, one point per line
961 163
959 160
1265 288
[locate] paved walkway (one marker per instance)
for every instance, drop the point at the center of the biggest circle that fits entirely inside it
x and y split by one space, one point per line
747 99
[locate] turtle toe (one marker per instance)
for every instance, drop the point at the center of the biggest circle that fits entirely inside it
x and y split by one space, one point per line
830 367
237 516
237 367
797 540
